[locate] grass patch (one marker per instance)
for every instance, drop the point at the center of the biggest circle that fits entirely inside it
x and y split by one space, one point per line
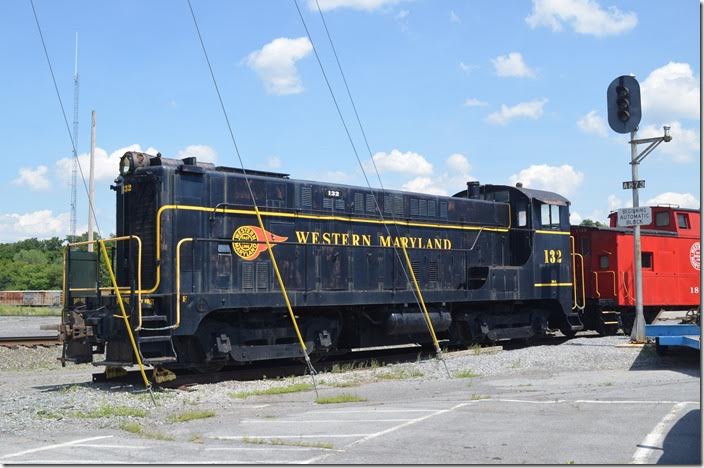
45 414
352 383
196 439
477 396
465 374
516 364
107 411
8 310
135 428
292 443
476 349
341 398
191 415
293 388
399 374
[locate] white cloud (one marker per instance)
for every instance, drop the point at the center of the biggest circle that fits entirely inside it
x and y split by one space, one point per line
454 17
41 224
467 68
402 14
575 218
106 165
451 181
273 162
473 102
512 65
531 109
396 161
614 203
671 91
683 200
275 63
366 5
35 179
684 146
584 16
202 153
560 179
593 123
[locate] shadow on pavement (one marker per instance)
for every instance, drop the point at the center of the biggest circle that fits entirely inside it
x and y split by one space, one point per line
679 359
683 444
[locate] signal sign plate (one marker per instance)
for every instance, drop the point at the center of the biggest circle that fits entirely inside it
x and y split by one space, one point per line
630 184
634 216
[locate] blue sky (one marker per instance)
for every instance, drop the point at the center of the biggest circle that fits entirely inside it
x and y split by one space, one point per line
448 91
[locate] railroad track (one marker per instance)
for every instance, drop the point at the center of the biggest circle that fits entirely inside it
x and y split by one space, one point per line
28 341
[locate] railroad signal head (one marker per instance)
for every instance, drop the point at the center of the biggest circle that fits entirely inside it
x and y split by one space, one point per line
623 101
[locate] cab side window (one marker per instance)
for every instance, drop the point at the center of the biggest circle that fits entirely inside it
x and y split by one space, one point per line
683 220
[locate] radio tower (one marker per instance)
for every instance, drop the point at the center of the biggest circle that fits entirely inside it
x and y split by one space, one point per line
74 171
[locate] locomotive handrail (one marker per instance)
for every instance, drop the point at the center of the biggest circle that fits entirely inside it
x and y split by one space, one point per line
106 258
349 218
584 297
177 321
574 275
115 287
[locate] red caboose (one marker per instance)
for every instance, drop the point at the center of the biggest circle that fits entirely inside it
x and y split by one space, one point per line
604 268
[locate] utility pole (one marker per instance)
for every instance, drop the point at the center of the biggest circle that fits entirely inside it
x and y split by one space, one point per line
74 170
91 186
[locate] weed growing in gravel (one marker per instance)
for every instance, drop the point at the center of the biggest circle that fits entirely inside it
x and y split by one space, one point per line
477 396
399 374
608 384
292 443
136 428
69 389
351 383
293 388
516 364
191 415
196 439
340 368
476 349
45 414
341 398
107 411
465 374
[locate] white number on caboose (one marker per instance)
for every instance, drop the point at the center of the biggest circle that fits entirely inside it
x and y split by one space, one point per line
694 289
694 256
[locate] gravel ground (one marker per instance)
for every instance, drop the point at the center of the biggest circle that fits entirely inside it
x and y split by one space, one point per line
37 395
23 325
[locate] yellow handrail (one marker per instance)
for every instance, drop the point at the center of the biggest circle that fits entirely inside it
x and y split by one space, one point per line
104 251
596 283
178 281
584 298
574 274
596 274
115 287
420 298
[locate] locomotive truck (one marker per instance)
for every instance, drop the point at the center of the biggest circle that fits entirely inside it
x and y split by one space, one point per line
493 262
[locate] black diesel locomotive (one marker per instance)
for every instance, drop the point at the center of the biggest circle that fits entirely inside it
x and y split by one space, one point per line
493 262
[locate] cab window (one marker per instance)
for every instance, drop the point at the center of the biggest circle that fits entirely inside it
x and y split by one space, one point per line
550 215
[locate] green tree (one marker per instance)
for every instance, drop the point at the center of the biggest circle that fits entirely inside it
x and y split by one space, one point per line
589 223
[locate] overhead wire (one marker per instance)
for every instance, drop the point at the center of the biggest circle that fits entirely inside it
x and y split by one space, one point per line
254 201
416 293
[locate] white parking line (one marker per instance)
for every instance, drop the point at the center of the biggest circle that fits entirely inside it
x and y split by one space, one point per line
304 436
352 411
391 429
653 441
335 421
606 402
49 447
272 447
137 447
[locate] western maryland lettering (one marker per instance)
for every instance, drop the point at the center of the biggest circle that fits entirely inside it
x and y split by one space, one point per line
366 240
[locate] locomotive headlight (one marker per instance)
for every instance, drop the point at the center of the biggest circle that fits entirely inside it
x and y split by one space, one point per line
126 164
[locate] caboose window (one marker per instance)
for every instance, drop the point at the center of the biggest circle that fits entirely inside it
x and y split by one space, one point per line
683 220
604 262
646 259
662 218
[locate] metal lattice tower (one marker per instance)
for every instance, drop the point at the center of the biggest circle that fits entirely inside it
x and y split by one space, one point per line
74 170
